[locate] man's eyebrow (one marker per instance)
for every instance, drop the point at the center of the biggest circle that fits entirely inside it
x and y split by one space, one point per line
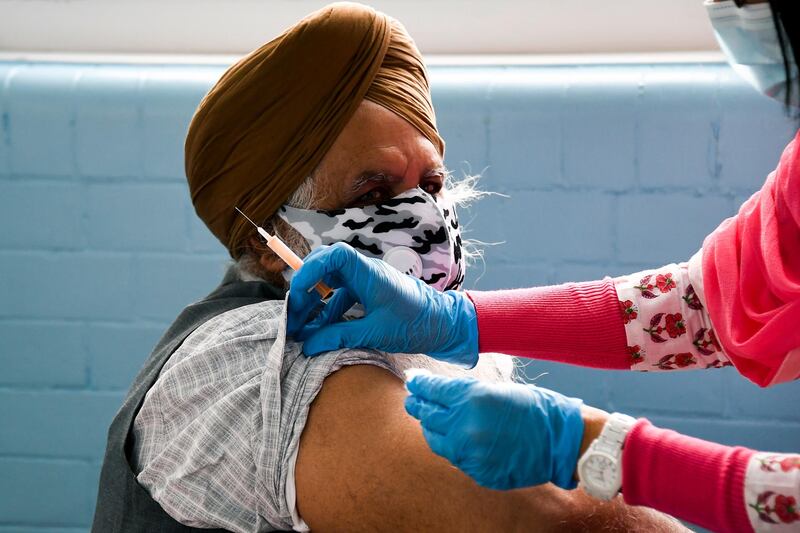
379 176
372 176
438 169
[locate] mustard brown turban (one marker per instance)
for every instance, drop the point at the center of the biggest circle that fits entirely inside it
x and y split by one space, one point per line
272 116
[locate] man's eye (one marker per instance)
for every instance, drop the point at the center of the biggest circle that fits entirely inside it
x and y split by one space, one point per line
432 187
374 196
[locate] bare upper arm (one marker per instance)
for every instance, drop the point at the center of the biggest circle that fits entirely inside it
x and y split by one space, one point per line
364 465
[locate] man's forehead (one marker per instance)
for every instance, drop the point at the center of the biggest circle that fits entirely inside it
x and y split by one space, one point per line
392 160
386 162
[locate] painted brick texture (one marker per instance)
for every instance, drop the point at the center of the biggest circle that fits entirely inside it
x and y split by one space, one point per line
606 169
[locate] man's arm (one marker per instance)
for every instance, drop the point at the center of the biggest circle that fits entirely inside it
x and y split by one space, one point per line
363 465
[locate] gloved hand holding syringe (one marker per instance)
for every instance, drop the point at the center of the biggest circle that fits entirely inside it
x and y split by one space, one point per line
288 256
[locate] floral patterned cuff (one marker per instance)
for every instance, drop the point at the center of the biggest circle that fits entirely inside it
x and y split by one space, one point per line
771 492
666 324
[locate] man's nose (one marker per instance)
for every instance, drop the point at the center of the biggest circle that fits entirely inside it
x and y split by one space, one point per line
411 179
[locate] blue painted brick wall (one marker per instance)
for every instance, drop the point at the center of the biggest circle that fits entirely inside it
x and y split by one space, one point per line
607 169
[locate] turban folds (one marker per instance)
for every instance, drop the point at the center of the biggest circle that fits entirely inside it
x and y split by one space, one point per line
269 120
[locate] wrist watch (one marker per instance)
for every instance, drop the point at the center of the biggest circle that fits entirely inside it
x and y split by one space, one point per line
600 467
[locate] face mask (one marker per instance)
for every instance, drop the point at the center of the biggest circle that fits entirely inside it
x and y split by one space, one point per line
747 36
415 232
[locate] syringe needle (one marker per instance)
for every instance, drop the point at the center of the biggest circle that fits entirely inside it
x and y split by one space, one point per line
247 217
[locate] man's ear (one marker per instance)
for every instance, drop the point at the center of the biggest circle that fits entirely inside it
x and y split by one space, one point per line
266 257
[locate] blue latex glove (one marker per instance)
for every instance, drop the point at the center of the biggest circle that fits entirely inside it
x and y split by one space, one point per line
504 436
402 314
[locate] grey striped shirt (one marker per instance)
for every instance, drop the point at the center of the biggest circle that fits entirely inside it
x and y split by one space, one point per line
216 439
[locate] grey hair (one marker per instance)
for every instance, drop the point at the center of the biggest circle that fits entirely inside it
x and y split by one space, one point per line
304 197
462 192
248 265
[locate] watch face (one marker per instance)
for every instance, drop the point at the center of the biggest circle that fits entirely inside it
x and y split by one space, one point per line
601 471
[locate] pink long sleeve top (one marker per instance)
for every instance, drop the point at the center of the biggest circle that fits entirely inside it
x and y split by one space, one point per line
736 302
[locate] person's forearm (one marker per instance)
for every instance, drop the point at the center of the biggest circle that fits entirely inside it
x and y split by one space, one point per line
692 479
576 323
652 321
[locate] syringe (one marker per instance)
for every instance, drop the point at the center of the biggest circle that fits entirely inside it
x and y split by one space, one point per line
288 256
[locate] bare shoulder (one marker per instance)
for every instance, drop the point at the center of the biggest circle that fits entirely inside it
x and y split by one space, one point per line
363 465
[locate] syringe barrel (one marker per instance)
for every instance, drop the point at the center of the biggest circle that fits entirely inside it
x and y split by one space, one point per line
285 253
291 259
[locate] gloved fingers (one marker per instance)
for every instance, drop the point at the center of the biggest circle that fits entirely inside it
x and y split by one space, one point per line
431 416
352 334
302 303
437 443
324 261
439 389
337 306
340 302
299 308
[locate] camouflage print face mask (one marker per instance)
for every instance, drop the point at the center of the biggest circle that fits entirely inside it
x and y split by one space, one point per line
415 232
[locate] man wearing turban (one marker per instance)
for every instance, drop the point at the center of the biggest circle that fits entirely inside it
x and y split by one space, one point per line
228 425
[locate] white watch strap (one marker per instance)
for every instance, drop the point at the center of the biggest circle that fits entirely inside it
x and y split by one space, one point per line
609 443
615 430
